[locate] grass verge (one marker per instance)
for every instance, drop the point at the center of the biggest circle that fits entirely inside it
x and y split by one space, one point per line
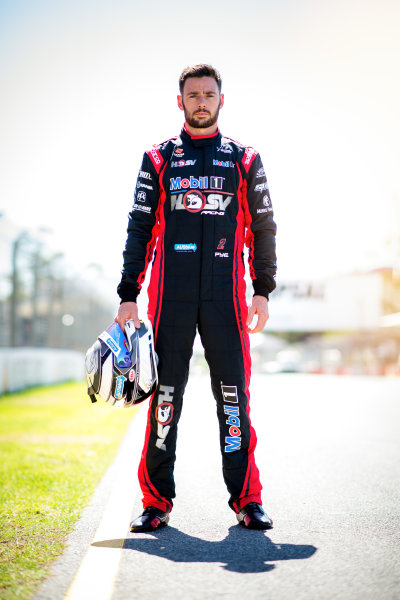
54 448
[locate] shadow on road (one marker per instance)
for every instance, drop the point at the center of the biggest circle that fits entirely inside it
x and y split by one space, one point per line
242 551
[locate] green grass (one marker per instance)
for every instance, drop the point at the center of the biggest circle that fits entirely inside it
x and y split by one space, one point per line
54 447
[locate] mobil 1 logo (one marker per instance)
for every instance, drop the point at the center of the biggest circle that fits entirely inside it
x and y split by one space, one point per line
231 409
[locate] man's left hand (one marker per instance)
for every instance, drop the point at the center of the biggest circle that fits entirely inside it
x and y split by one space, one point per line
259 307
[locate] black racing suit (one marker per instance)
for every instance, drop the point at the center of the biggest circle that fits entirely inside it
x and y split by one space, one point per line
197 201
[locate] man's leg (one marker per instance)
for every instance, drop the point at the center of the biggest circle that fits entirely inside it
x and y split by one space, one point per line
174 343
227 352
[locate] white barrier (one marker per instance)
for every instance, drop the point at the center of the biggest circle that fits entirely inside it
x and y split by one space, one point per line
22 368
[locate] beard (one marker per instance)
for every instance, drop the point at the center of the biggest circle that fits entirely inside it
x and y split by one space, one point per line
200 123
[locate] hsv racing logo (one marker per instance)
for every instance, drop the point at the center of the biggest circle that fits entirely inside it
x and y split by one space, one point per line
163 414
183 163
194 201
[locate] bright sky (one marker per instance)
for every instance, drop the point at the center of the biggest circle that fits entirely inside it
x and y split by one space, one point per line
87 86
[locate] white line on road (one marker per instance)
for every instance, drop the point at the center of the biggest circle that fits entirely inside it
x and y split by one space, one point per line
96 575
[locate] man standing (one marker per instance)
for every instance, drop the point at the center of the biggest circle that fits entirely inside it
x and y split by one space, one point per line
199 197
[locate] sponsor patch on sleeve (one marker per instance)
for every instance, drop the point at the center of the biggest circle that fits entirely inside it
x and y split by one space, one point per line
156 158
248 157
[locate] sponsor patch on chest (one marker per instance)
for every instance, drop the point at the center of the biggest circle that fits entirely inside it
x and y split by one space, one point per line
185 247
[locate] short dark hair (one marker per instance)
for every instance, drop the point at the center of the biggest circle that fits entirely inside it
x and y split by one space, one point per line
199 71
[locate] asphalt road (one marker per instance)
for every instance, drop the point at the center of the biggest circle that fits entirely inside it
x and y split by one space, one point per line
329 456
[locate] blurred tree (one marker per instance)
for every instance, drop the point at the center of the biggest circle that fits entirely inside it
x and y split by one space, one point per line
43 290
15 287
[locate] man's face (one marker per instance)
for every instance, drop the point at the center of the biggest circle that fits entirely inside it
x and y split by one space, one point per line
201 102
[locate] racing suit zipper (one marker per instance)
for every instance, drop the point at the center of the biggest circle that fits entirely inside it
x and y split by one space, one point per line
208 230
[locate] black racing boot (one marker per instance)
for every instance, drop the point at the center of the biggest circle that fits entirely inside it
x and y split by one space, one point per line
151 518
253 516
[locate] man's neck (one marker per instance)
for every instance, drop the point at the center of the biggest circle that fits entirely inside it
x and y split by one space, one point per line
198 131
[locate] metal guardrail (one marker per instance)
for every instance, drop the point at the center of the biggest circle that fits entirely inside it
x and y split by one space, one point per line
22 368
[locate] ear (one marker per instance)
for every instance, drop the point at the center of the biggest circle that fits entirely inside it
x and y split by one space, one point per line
179 98
221 100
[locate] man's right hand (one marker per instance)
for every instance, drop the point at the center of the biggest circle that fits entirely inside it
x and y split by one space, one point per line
126 311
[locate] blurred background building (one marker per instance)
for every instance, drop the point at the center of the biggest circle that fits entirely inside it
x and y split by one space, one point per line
344 324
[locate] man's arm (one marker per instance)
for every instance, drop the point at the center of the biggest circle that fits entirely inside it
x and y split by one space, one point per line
142 235
260 239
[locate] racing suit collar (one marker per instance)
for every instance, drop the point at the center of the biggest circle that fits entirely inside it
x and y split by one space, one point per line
200 140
